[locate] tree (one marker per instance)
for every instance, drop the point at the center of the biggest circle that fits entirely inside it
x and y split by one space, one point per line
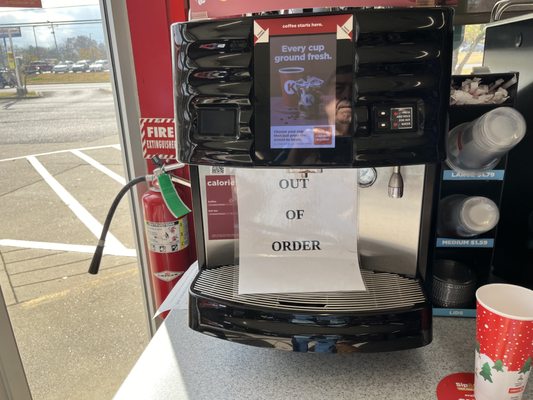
473 34
486 372
82 48
498 366
526 367
32 53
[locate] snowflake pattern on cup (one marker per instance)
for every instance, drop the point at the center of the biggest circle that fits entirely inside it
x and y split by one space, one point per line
504 351
506 341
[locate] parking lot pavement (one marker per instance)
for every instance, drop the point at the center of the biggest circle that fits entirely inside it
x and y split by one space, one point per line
78 334
76 116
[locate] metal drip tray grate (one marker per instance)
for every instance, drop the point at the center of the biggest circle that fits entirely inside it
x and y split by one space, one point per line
385 291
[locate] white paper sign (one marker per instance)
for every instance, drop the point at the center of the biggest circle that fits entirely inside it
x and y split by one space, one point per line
297 233
178 298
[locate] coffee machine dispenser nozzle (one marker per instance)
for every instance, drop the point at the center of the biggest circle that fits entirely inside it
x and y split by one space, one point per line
396 184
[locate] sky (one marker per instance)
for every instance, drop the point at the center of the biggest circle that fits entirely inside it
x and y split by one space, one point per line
53 11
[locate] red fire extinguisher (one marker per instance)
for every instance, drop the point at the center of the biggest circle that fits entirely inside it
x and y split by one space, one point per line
168 244
168 237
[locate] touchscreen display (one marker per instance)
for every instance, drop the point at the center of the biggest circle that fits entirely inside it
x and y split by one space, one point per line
303 78
302 91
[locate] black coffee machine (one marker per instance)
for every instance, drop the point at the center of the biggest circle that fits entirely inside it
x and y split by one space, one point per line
362 88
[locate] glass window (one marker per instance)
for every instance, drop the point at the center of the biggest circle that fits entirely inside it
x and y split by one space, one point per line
60 168
468 53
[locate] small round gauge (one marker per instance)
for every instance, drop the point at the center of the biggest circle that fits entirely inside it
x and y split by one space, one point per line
367 177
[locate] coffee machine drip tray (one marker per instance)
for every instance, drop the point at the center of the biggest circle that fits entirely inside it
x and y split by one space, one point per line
392 314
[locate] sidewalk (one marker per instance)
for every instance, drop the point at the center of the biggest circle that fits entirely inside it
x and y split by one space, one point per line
91 351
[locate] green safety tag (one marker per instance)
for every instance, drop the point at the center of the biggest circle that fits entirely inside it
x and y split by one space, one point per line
173 201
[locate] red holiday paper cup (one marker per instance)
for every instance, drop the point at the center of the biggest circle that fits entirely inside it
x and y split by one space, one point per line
504 348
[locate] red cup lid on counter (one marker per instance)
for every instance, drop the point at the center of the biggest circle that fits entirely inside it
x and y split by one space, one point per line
458 386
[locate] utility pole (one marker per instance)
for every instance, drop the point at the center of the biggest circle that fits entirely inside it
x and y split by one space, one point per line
35 38
5 51
92 47
55 40
20 89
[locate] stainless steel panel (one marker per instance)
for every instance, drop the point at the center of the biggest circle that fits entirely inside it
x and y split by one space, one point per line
388 228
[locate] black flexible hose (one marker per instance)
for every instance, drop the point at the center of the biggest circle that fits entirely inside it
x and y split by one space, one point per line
97 257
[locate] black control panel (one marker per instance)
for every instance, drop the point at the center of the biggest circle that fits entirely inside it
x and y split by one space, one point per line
398 118
375 96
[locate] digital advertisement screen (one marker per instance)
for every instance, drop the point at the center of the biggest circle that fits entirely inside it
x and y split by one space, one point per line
303 80
302 91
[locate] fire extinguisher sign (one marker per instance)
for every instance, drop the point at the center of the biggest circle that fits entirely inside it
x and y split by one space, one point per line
158 138
167 237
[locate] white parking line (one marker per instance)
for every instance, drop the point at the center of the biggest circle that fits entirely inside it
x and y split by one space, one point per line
85 217
61 151
78 248
99 166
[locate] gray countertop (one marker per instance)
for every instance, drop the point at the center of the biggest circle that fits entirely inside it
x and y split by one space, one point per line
183 364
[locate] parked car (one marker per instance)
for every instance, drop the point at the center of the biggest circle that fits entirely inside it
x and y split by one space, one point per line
81 66
7 78
63 66
38 67
99 65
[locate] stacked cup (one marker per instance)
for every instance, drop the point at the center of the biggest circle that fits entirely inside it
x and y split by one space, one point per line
478 145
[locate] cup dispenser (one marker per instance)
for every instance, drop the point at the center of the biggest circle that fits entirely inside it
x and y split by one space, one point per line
470 195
